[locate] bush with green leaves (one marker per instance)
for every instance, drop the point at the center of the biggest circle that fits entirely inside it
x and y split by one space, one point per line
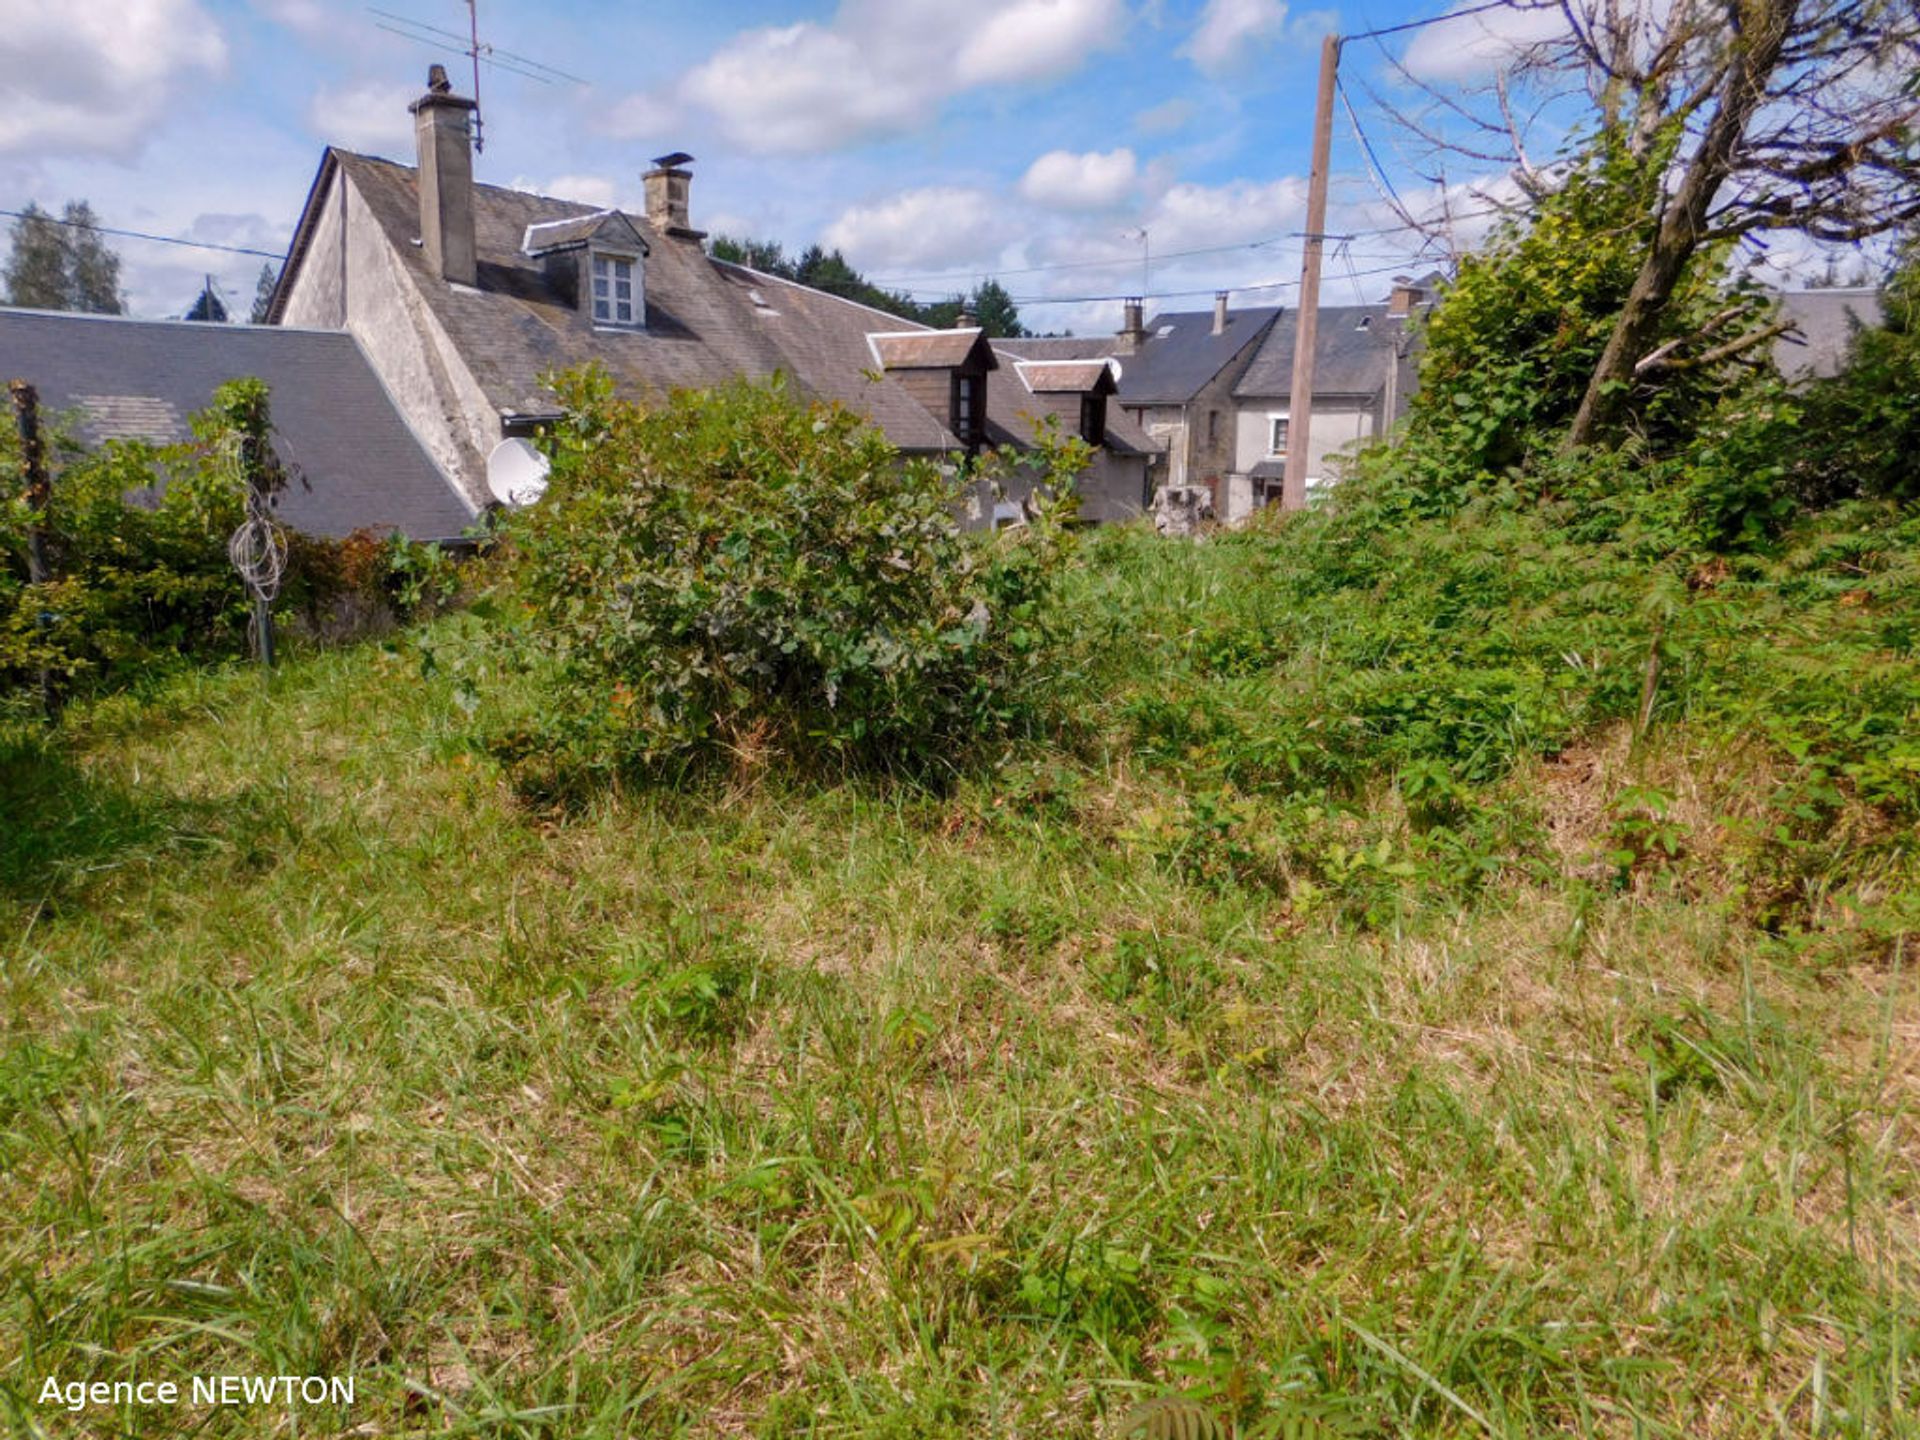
135 584
1861 434
738 571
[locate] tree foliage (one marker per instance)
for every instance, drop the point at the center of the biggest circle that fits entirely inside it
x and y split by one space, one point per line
207 306
63 264
822 269
735 569
263 295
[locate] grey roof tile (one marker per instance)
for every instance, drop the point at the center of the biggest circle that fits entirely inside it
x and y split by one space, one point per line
1356 345
357 464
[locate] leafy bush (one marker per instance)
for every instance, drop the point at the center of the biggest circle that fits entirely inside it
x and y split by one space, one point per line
134 584
737 571
1861 434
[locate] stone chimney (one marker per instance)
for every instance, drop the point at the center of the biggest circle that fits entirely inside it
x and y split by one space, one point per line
966 319
668 184
1219 312
1404 297
1133 328
443 131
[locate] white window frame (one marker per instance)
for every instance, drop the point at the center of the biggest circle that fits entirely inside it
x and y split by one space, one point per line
1279 434
607 271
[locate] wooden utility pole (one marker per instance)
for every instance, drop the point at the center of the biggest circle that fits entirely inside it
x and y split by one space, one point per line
1306 330
33 465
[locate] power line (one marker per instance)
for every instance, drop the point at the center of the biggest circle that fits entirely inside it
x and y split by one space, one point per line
143 235
1185 294
1435 20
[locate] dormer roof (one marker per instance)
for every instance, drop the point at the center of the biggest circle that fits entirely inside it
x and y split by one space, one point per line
1079 377
551 237
933 350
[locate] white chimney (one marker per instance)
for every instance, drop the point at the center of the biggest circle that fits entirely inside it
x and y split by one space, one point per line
1220 312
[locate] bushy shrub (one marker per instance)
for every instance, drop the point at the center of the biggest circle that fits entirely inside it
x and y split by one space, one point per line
735 569
1862 428
134 583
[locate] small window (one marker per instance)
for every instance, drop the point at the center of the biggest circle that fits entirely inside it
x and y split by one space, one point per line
613 282
966 409
1093 419
1213 427
1277 445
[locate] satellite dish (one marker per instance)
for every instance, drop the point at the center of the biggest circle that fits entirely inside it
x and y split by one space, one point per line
517 473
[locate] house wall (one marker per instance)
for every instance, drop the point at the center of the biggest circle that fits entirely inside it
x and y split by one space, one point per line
1112 489
1211 437
1167 424
1338 423
351 279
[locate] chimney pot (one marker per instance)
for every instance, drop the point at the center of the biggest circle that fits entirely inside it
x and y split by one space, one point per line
443 133
1220 312
668 186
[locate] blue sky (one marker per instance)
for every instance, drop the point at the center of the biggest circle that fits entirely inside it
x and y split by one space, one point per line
932 140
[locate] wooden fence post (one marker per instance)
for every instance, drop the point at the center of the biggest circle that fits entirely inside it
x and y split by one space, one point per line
33 465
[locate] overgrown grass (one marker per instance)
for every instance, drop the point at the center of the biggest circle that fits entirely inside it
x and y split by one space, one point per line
1454 1066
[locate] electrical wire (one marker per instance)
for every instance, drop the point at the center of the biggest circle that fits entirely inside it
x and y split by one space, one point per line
1407 25
143 235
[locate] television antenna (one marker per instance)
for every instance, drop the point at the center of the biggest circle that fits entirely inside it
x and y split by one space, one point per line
479 51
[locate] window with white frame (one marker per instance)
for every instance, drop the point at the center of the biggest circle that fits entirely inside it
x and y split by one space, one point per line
1277 438
614 300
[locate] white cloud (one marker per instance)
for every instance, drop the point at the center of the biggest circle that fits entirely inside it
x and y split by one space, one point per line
803 87
884 66
1166 117
1092 181
1229 29
1190 216
1471 46
95 78
365 115
935 226
641 116
309 17
1034 39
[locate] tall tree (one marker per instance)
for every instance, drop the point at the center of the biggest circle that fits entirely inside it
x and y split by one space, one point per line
208 306
1751 115
996 312
93 270
263 295
36 270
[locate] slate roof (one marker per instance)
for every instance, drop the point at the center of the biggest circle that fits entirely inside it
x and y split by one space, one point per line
1825 322
358 465
925 349
1015 413
707 320
1180 356
1355 343
1061 347
1052 376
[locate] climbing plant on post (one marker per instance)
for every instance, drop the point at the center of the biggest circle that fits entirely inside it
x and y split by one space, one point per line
258 548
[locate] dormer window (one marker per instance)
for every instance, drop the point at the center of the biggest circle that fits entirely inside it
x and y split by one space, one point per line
613 290
595 263
1093 418
968 412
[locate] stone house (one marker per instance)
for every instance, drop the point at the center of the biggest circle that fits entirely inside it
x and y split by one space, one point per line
1363 379
465 296
1176 378
352 461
